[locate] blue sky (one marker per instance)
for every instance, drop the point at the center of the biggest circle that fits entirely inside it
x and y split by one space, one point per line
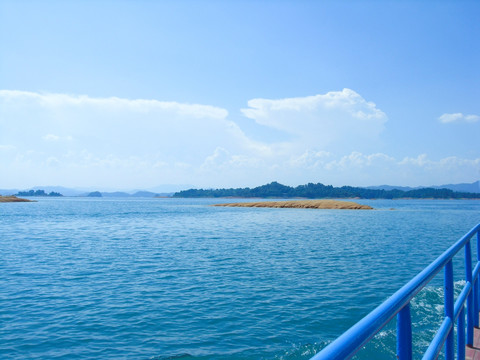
136 94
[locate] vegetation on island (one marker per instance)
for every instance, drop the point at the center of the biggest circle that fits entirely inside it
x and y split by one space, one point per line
37 193
320 191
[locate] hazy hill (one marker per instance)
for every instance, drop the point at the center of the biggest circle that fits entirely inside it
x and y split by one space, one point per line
144 194
115 194
464 187
8 192
473 187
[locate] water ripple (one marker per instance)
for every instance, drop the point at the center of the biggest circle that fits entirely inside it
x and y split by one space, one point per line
177 279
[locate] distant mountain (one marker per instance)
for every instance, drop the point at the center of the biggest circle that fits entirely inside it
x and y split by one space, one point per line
164 195
83 192
390 187
115 194
466 187
95 194
8 192
122 194
167 188
144 194
125 194
473 187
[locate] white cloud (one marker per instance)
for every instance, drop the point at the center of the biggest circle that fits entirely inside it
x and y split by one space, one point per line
58 101
141 127
337 120
359 160
420 161
378 168
447 170
51 137
55 138
53 161
219 157
113 140
458 117
222 159
123 143
310 159
7 147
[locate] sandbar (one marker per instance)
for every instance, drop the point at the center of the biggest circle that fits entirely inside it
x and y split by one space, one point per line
13 199
302 204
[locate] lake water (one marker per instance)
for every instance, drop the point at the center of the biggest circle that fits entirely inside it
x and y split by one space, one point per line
84 278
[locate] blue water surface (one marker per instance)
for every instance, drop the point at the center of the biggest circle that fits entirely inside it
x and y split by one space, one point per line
84 278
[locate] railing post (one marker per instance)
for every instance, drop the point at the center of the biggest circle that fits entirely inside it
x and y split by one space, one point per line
404 334
475 302
468 278
478 245
461 334
476 287
449 304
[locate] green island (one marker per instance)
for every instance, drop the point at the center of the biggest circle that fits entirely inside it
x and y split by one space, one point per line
37 193
320 191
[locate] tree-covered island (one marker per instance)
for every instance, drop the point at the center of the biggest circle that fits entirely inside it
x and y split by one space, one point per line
37 193
320 191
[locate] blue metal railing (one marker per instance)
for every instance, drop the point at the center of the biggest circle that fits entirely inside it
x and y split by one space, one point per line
398 304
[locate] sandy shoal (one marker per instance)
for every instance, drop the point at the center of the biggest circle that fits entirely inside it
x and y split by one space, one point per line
302 204
13 199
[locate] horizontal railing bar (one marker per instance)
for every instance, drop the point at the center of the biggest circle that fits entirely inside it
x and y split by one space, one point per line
345 346
472 232
439 339
461 300
476 270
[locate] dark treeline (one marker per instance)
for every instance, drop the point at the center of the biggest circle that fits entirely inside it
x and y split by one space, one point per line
37 193
317 191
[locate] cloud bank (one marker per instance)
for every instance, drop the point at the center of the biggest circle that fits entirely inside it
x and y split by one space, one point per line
70 140
458 117
338 119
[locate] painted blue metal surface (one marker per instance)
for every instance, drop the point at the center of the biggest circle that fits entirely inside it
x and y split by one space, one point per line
398 305
404 333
